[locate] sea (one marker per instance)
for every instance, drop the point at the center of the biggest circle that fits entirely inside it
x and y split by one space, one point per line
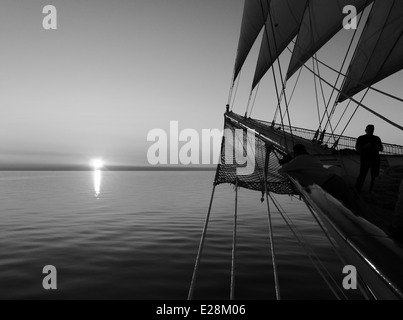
113 235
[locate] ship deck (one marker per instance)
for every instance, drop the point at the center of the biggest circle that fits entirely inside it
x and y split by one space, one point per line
343 160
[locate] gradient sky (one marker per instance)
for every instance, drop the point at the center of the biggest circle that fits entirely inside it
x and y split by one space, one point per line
114 70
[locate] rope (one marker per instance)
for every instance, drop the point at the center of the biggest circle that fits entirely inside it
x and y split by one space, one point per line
292 93
276 283
365 292
274 74
278 109
231 89
358 82
313 62
236 90
254 100
281 77
349 77
342 116
316 95
342 66
294 230
360 104
196 269
326 105
324 101
248 105
351 118
234 244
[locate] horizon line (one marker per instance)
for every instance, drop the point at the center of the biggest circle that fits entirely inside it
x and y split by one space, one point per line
107 168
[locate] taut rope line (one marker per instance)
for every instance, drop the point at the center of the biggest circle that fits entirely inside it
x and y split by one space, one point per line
196 269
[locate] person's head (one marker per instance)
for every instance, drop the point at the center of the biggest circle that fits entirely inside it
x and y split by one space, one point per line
370 129
299 149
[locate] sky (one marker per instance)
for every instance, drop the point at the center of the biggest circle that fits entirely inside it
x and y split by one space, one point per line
110 73
115 70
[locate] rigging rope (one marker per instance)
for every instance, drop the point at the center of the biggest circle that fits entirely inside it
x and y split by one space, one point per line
350 78
234 244
254 100
309 251
236 90
313 62
359 103
342 66
324 101
367 90
284 83
326 105
276 283
248 105
316 95
201 245
292 93
231 89
358 82
351 118
365 292
278 108
342 116
274 75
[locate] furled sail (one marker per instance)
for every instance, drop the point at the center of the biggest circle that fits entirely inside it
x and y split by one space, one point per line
380 51
321 21
281 27
254 17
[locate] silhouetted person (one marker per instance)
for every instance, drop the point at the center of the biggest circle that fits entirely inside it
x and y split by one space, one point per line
368 146
308 169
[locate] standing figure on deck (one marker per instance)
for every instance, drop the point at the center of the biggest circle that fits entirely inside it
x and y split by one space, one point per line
368 146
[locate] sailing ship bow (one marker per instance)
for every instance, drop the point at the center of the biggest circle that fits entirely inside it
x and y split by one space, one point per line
302 27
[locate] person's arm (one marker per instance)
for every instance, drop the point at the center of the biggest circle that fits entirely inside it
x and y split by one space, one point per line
287 158
380 144
294 165
285 167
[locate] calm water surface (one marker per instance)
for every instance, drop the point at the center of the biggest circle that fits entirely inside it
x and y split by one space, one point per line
135 235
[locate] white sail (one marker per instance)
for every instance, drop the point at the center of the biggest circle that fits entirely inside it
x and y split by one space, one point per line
254 17
322 20
281 27
380 51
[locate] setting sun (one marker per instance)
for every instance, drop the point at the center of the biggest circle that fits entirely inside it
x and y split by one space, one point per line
97 164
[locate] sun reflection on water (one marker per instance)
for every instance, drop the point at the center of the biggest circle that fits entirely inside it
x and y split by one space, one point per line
97 164
97 182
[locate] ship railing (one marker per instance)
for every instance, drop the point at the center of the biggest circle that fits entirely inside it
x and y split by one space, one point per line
331 140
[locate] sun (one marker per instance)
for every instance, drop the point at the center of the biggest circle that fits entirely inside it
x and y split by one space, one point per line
97 163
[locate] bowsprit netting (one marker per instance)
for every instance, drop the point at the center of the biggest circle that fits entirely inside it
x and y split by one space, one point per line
247 160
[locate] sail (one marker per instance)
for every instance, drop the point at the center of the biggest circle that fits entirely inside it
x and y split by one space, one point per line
281 27
254 17
321 21
380 51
